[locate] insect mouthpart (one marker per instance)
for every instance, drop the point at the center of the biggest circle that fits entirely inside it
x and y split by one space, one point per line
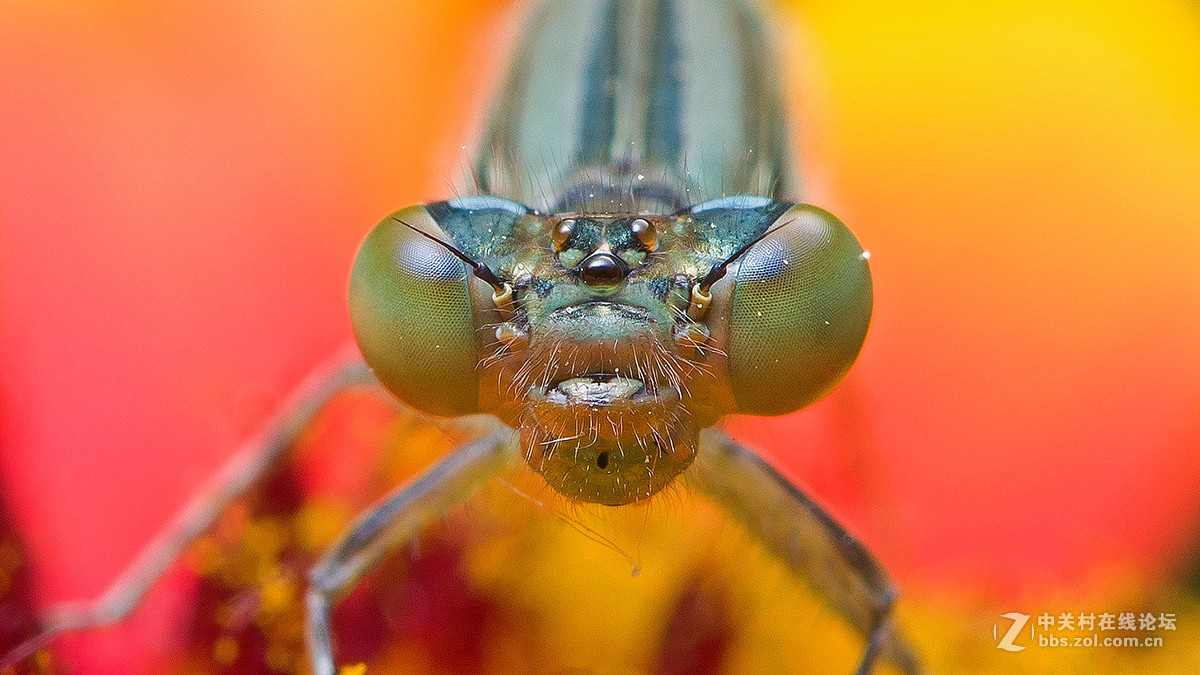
597 389
599 445
607 428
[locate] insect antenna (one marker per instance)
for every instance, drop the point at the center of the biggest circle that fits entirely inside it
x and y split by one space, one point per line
479 269
701 297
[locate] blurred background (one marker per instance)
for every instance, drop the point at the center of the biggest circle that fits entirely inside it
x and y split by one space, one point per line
183 185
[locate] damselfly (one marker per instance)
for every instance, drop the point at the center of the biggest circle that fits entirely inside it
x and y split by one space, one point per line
631 261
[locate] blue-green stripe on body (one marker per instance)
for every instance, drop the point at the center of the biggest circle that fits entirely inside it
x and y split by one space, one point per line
638 105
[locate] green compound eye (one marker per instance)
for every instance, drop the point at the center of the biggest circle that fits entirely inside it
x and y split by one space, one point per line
799 313
411 308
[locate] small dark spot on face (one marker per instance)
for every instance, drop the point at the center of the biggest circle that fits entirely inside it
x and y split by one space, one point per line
602 460
660 287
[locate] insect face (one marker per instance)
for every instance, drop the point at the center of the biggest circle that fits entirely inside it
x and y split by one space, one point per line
599 359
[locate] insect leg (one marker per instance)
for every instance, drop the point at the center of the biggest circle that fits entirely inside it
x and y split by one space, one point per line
394 521
253 459
812 544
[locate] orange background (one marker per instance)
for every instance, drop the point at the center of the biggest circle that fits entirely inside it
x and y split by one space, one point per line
182 188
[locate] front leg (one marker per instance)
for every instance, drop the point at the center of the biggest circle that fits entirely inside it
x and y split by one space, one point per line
395 521
256 458
812 544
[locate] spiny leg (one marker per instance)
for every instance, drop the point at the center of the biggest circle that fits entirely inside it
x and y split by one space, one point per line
395 521
807 539
250 463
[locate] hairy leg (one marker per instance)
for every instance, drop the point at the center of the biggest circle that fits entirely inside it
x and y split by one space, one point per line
812 544
393 522
255 458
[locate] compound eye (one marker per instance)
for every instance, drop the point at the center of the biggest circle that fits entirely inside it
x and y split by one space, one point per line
799 312
412 313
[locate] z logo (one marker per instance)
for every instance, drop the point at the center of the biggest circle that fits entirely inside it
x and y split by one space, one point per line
1018 622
